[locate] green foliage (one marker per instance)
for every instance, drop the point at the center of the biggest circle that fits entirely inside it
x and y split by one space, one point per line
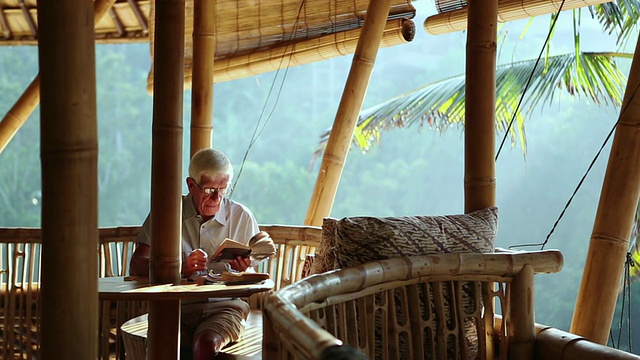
20 183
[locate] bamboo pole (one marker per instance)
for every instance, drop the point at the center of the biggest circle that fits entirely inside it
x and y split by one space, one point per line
69 155
166 170
25 105
609 243
522 324
479 134
335 154
204 43
508 10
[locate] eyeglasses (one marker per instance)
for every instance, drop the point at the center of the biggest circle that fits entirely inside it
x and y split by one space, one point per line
211 191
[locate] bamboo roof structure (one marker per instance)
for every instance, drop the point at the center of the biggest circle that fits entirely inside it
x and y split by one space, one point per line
251 37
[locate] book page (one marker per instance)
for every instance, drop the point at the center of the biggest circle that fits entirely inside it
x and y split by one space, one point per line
230 250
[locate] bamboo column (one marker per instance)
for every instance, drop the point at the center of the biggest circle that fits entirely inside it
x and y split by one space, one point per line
204 44
479 134
166 171
335 154
69 155
522 317
603 269
25 105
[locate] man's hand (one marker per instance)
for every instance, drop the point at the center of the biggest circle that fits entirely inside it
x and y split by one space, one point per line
240 263
196 261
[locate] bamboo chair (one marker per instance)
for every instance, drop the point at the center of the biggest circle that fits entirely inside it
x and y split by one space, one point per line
410 308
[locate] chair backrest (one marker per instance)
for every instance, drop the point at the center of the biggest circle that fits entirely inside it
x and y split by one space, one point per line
411 308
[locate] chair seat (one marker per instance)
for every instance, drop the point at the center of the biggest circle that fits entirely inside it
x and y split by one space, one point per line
249 347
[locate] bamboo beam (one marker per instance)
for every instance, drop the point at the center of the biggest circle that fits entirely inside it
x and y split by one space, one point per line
609 243
508 10
204 44
25 105
69 155
166 171
397 31
553 343
479 134
335 154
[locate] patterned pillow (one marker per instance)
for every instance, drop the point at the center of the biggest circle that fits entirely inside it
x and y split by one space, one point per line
358 240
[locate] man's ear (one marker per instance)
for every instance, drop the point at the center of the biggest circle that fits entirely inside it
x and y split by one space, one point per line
190 183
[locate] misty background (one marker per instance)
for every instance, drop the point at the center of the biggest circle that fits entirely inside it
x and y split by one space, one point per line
413 171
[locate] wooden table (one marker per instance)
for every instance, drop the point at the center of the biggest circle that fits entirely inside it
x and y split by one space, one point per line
138 288
128 288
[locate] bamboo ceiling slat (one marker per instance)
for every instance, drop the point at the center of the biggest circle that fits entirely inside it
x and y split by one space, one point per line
396 32
508 10
127 16
16 28
253 36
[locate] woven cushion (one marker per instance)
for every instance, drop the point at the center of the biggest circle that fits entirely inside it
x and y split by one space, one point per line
362 239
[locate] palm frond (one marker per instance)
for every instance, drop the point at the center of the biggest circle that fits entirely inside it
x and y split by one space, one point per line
441 105
619 16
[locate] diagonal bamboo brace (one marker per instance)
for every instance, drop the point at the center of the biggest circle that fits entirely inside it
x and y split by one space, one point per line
30 99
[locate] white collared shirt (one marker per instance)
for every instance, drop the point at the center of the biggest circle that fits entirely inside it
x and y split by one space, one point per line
233 220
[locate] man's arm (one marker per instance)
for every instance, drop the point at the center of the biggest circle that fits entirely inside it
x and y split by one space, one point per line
139 264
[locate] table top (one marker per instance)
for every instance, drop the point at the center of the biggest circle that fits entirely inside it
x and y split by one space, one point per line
138 288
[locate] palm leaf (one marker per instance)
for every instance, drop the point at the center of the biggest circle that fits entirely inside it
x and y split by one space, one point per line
441 105
618 16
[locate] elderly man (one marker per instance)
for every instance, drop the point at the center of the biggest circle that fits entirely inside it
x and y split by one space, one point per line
208 217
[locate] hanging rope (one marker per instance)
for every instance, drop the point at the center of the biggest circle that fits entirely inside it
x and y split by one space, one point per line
626 299
526 86
256 134
575 191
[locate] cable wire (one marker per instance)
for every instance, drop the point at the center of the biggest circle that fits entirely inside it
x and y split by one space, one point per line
526 86
584 176
256 133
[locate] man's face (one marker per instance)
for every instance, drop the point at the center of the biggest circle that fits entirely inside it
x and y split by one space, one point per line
207 205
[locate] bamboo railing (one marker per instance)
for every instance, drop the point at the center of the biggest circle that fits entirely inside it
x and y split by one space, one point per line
20 250
320 313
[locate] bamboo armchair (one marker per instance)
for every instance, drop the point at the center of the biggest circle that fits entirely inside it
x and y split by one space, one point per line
411 308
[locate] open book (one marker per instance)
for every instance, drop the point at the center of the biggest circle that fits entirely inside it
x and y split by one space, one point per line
260 246
230 250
